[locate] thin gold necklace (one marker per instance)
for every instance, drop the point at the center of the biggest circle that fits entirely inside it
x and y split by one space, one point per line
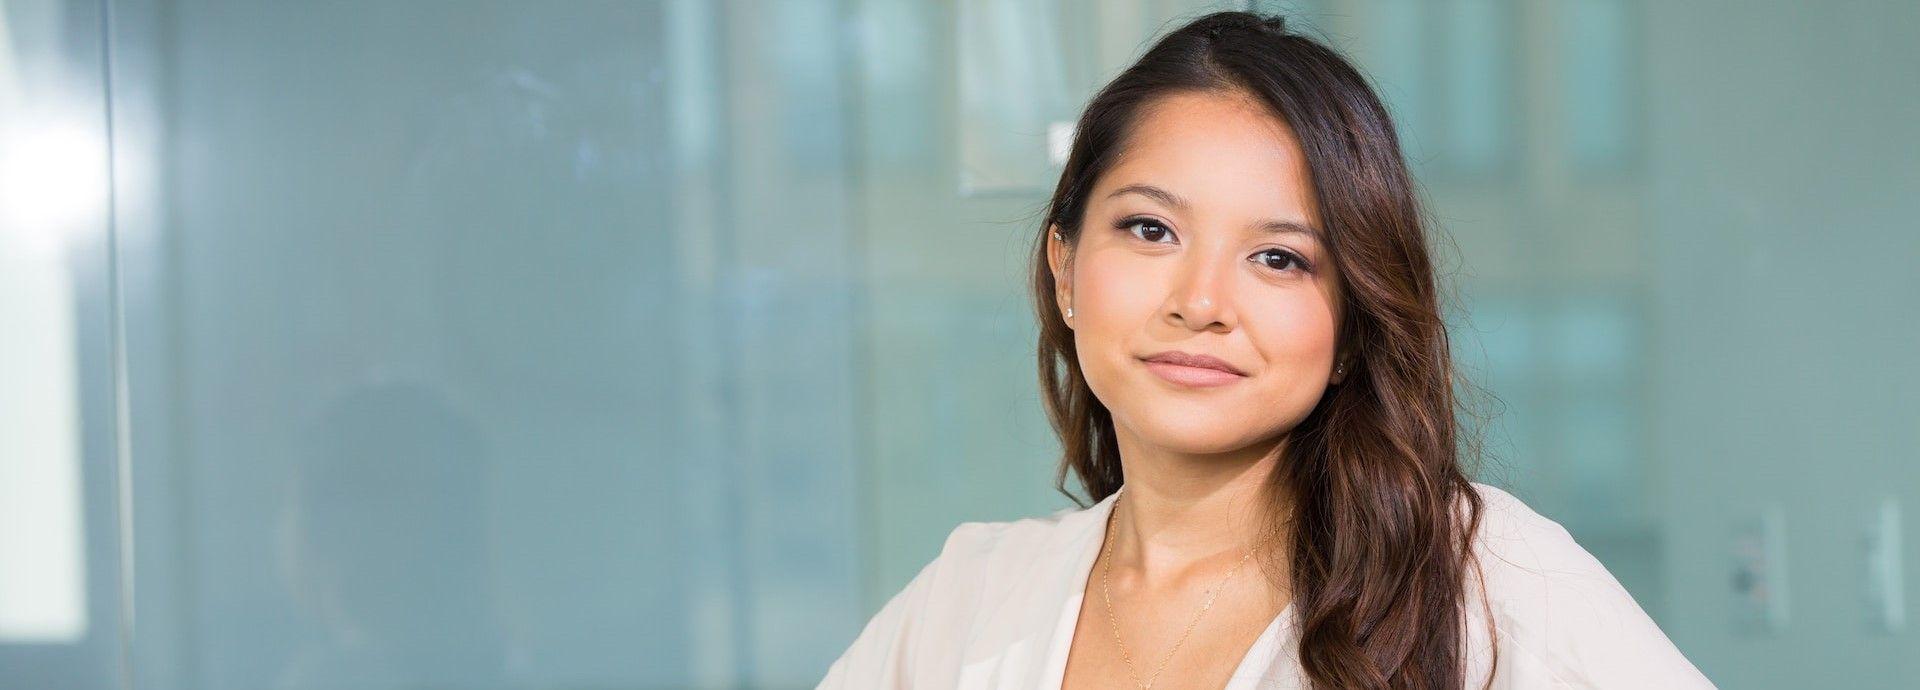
1108 596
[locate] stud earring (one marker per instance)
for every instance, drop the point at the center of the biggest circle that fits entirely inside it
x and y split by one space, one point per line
1069 312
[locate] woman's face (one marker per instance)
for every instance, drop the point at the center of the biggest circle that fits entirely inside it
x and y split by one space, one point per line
1201 239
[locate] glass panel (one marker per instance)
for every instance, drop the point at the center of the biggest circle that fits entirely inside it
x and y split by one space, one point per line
61 594
1476 84
1014 95
490 344
1601 92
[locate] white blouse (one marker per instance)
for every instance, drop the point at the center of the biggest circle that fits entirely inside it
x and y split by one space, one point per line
998 607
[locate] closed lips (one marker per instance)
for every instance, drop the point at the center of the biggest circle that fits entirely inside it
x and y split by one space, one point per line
1188 359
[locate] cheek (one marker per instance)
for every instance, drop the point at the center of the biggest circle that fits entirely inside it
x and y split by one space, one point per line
1114 300
1113 293
1292 329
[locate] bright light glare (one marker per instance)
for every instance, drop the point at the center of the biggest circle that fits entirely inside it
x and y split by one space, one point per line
53 182
42 566
53 187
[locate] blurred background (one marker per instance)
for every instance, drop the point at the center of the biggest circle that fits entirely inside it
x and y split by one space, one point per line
655 344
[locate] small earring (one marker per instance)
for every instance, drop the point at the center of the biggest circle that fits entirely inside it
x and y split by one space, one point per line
1069 312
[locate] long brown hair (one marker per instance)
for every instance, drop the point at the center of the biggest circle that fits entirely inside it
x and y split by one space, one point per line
1380 546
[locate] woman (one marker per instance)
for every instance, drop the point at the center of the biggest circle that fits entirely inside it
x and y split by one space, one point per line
1242 351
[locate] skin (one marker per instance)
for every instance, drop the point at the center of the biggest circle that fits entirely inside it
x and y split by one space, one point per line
1145 276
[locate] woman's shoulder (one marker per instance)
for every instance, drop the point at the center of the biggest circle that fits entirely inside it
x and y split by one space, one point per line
988 537
1522 554
1531 565
1512 528
923 627
1561 616
976 555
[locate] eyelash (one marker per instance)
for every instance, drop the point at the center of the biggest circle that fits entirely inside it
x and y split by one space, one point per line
1127 224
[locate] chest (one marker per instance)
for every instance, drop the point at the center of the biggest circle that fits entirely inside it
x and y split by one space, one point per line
1218 645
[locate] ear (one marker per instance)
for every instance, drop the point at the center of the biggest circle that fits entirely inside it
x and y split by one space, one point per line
1060 261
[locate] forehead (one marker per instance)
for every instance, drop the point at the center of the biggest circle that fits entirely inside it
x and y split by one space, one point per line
1225 152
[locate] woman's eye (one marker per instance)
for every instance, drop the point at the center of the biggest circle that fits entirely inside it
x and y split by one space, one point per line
1277 259
1154 231
1148 235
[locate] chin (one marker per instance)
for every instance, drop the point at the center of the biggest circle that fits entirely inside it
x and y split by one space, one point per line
1192 431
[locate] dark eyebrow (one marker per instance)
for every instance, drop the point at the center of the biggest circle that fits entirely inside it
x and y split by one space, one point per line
1155 193
1174 200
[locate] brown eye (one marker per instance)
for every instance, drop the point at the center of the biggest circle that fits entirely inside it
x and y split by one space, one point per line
1153 234
1278 259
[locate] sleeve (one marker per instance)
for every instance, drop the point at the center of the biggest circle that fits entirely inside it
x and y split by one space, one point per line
1563 619
881 657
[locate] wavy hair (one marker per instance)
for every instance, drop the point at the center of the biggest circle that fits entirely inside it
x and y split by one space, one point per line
1380 546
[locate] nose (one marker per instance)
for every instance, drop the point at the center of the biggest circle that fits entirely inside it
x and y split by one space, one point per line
1201 295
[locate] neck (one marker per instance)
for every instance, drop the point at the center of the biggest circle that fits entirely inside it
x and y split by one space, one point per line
1179 511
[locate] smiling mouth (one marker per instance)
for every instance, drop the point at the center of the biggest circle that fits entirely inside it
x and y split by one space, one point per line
1193 377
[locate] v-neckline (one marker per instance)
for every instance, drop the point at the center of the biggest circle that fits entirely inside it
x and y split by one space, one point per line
1244 673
